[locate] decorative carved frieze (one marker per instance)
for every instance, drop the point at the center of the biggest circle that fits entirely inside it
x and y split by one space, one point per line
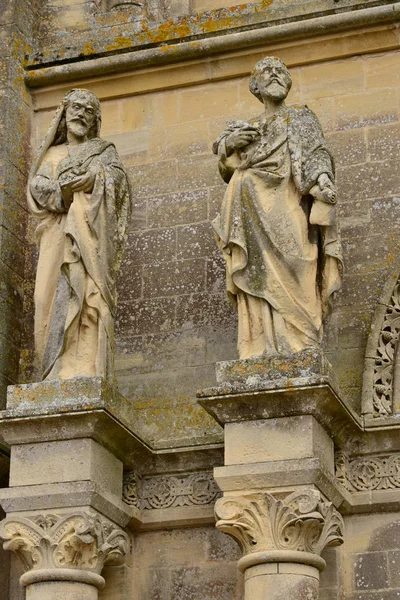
198 489
75 541
131 489
368 473
303 521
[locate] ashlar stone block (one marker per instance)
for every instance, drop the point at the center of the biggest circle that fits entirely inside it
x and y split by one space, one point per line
63 461
286 438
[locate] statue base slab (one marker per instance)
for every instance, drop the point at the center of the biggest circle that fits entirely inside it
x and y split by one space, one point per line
277 386
282 416
85 407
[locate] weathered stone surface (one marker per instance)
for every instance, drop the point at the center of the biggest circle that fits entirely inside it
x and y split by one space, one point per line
208 582
272 440
182 207
371 571
274 371
281 280
174 278
165 113
64 461
75 171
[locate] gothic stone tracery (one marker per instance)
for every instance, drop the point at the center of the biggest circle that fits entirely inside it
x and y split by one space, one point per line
380 368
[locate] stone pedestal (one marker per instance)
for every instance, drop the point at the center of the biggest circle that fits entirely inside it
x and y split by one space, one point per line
65 517
282 417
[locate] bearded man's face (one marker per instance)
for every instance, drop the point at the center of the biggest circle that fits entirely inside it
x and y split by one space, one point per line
80 115
274 82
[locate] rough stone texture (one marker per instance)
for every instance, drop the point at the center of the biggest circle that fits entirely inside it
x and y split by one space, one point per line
272 440
5 566
370 557
16 20
174 321
191 564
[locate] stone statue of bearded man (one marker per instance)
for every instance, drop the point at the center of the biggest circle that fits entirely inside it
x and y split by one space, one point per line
79 190
277 226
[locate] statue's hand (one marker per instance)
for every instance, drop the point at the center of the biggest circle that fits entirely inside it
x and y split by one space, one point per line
84 183
326 189
240 138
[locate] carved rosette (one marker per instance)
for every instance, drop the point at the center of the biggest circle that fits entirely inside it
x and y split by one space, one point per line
302 522
368 473
78 541
185 489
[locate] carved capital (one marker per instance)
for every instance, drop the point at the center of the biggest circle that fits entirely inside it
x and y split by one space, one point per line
302 522
75 541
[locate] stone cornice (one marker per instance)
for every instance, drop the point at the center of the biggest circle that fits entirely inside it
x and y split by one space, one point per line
181 51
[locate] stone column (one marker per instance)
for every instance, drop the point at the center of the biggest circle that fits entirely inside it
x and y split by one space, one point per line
281 540
69 443
63 554
282 417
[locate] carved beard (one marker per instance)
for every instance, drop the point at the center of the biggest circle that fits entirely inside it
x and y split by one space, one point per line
276 91
78 127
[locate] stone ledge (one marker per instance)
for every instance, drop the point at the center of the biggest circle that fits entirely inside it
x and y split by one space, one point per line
273 371
316 399
55 496
278 476
183 50
184 516
97 424
370 502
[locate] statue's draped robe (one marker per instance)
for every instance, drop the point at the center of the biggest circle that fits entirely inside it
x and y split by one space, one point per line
79 254
281 269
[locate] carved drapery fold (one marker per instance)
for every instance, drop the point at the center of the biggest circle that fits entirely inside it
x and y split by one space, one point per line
77 541
303 522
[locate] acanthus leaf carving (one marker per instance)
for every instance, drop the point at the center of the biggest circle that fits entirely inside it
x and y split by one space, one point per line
302 521
77 541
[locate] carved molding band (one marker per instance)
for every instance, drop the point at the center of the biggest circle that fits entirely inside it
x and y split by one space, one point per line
198 489
77 541
302 522
369 472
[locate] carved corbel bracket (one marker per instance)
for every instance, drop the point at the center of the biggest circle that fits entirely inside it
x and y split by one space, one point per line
75 541
303 522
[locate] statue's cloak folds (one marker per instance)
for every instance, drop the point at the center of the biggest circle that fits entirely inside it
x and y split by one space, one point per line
79 248
270 227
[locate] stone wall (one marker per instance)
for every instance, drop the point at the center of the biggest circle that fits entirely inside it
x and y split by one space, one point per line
193 564
371 557
16 22
174 319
